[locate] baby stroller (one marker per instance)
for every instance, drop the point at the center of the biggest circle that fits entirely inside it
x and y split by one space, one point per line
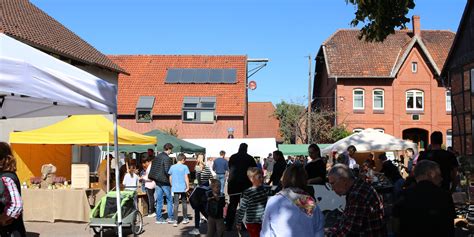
104 214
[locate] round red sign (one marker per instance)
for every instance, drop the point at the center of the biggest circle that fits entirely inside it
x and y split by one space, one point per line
252 85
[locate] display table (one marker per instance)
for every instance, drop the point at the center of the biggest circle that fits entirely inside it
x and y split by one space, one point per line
57 204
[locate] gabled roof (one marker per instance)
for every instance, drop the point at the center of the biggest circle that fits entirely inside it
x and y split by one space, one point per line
262 122
348 57
148 74
24 21
469 9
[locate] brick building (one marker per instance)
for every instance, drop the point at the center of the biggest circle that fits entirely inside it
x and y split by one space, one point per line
392 86
197 96
458 72
262 122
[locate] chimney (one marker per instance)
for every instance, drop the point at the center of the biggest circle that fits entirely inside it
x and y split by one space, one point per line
415 20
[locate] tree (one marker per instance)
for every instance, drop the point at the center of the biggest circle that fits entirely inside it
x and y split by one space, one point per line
173 131
289 116
380 17
293 119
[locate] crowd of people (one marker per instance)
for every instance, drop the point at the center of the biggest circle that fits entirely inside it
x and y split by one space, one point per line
423 205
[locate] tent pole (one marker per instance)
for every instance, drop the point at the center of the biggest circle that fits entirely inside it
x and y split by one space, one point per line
108 166
117 181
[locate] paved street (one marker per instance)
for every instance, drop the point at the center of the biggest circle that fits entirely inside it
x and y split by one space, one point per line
70 229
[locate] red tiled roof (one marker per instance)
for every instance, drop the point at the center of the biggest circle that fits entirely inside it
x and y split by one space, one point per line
262 123
347 56
147 78
26 22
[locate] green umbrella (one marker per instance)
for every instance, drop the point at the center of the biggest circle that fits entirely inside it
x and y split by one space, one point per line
163 138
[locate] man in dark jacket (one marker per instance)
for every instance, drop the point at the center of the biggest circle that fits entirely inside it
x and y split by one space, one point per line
426 209
238 181
159 173
446 160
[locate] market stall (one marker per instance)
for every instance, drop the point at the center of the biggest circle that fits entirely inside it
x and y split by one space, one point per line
371 141
29 146
179 145
297 149
35 84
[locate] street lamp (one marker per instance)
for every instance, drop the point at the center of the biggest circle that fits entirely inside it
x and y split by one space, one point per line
230 133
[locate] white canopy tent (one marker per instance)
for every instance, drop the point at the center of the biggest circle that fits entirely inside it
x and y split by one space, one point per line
35 84
370 140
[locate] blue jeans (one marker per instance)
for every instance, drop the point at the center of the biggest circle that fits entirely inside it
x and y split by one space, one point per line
160 190
221 178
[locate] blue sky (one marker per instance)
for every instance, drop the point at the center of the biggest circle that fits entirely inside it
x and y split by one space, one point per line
285 31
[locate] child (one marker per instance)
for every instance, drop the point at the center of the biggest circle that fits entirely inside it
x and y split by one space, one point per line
215 210
130 180
179 186
252 203
149 186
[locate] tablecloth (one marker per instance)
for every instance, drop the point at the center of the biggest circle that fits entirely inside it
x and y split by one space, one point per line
57 204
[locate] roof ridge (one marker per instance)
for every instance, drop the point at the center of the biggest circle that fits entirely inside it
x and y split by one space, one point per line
175 55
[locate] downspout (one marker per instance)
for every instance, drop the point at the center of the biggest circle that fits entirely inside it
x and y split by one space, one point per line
335 103
246 109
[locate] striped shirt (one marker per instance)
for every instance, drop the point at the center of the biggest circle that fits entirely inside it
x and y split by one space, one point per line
252 205
14 204
203 175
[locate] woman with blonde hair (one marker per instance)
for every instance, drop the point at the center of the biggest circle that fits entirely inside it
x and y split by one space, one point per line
203 175
11 205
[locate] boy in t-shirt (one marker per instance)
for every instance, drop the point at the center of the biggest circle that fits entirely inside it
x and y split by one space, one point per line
252 203
130 180
179 186
215 210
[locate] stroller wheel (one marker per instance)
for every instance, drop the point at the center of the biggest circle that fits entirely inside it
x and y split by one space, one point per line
96 230
137 223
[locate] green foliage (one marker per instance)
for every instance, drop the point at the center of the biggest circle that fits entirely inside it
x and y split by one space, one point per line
293 123
380 17
338 133
289 116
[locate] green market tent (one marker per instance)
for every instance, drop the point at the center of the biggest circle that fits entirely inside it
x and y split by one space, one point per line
297 149
163 138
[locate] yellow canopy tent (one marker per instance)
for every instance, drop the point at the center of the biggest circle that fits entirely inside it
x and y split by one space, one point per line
32 152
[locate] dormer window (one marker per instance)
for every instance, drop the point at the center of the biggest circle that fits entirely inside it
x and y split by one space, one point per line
199 109
414 67
143 110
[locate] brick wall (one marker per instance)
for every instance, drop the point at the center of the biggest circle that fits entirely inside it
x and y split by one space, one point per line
395 117
188 130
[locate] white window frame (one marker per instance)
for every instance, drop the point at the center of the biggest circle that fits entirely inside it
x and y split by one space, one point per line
448 101
357 130
354 98
383 99
449 137
381 130
414 100
414 67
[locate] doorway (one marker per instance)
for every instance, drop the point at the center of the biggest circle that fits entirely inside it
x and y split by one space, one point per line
418 136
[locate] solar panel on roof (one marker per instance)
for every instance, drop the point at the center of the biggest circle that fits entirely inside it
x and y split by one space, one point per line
201 75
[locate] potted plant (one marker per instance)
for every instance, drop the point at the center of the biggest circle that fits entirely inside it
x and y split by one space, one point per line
58 181
35 182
